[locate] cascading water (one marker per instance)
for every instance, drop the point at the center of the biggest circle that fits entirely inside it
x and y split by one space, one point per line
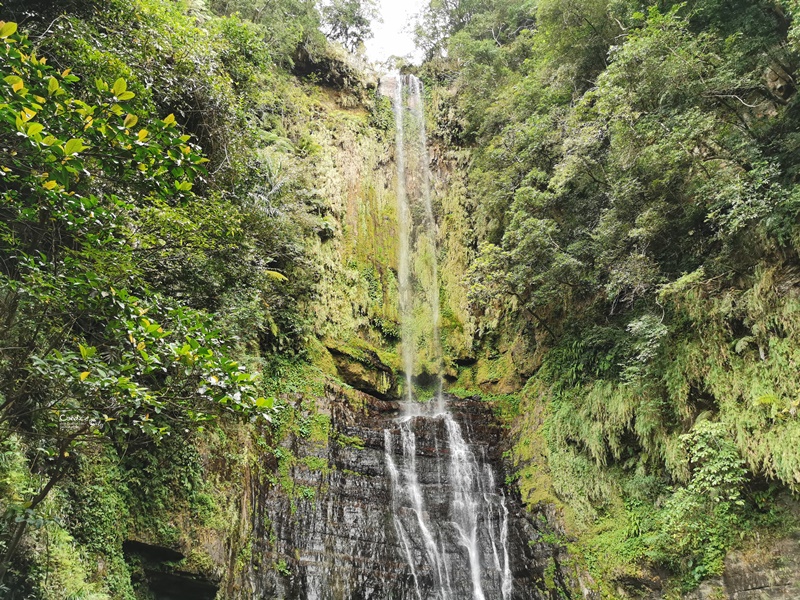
466 555
404 261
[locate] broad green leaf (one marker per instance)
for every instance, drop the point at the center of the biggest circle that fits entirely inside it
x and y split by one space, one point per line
53 86
126 95
265 402
12 79
35 128
7 29
120 85
74 146
87 352
130 121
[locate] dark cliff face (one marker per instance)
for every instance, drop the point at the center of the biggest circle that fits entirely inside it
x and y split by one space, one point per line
346 542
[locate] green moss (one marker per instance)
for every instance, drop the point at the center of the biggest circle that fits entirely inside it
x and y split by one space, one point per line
350 441
320 429
316 463
321 357
505 406
496 372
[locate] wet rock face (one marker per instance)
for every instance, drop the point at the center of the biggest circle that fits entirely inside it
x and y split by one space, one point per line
772 573
345 544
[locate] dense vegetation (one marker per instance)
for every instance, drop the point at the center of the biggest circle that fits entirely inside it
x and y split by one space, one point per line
630 209
154 267
634 187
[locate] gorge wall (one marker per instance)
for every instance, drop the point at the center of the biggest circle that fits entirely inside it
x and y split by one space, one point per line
343 544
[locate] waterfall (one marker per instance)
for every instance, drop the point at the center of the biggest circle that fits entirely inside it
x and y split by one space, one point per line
466 554
404 254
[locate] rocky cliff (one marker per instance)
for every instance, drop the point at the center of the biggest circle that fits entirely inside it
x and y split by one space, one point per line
342 542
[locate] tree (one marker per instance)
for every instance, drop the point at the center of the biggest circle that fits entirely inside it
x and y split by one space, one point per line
87 351
349 21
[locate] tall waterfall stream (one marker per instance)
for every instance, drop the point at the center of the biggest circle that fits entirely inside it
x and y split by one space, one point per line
415 510
465 555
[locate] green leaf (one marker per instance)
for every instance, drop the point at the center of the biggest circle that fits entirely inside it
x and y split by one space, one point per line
126 95
130 121
265 402
34 129
74 146
120 85
87 352
7 29
53 86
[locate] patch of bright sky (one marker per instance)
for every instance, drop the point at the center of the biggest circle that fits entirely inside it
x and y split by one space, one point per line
394 36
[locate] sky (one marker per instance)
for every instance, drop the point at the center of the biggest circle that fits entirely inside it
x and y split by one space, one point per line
394 35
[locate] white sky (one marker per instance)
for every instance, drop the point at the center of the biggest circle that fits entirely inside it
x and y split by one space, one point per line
394 36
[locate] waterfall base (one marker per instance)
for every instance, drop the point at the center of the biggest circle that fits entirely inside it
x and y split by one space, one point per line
347 544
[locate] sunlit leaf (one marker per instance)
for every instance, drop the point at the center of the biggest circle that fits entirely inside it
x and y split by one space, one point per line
276 275
26 114
265 402
74 146
120 85
7 29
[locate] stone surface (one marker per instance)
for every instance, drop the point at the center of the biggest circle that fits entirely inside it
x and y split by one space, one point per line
766 572
769 573
343 545
366 373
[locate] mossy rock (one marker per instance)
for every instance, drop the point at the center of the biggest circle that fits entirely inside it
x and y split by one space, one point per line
363 369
